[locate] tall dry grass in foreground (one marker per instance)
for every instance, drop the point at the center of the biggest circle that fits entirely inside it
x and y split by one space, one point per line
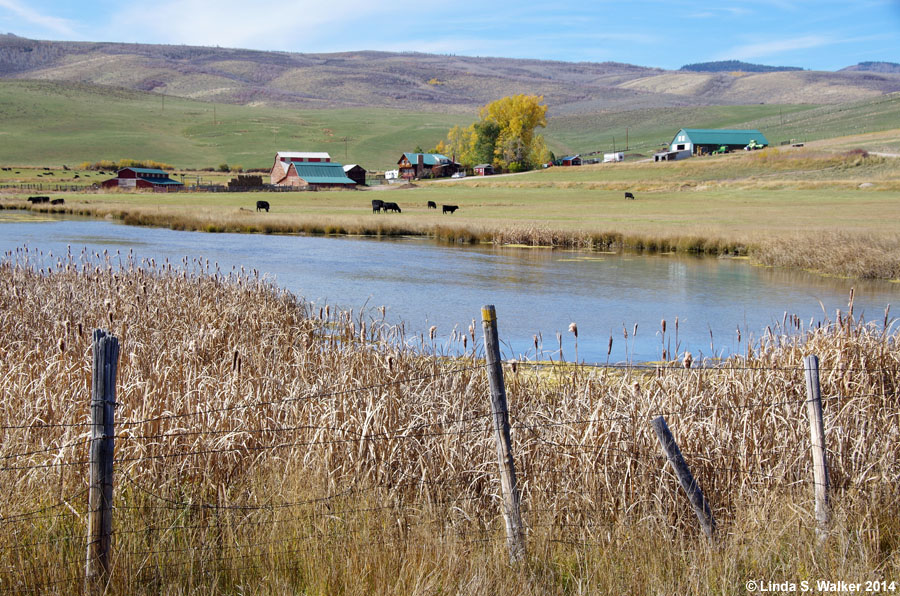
267 446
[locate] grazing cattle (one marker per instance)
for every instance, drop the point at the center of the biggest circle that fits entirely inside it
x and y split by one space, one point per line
432 205
377 205
58 202
260 205
449 208
36 200
628 195
392 207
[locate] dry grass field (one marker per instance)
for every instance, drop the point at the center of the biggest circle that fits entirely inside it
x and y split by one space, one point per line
263 447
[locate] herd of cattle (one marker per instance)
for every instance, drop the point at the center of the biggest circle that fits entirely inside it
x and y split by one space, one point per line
378 206
36 200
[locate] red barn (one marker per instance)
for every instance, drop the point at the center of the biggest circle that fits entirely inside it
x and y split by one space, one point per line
128 178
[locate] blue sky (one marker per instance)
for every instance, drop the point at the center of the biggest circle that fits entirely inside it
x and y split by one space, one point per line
818 35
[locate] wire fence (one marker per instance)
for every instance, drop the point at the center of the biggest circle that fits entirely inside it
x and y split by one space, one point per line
580 470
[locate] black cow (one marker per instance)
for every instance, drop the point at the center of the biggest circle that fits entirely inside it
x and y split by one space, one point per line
449 208
260 205
392 207
628 195
377 205
432 205
36 200
58 202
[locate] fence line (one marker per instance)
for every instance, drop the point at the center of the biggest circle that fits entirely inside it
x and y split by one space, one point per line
471 481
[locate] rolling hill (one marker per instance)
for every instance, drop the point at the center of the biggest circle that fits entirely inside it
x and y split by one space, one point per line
53 123
414 81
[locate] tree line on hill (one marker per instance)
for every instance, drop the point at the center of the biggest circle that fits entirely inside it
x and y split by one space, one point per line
735 65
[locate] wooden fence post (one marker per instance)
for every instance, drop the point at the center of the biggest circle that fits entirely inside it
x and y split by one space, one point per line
514 534
680 467
817 440
100 491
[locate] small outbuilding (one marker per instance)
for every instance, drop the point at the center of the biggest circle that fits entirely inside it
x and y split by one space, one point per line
698 141
147 178
484 169
572 160
356 173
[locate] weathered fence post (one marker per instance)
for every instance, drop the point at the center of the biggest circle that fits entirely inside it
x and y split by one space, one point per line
100 491
514 535
680 467
817 440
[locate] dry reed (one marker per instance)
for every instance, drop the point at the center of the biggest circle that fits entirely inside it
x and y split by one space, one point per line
266 445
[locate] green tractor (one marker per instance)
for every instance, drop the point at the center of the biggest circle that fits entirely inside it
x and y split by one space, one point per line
722 150
753 145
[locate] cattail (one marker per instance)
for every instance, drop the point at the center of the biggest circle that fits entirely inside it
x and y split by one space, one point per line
431 332
62 345
609 347
688 360
573 328
535 338
663 324
514 365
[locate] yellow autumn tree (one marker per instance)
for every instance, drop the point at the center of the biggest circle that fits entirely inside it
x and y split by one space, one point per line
504 136
517 116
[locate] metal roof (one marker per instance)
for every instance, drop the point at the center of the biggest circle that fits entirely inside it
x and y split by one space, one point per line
429 159
159 182
146 171
322 173
721 136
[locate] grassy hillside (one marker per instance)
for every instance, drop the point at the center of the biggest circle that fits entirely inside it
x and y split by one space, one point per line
648 129
47 123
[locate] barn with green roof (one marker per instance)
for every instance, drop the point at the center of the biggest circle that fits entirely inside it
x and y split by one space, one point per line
707 140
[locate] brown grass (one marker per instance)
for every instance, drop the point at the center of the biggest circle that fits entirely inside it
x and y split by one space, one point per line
267 446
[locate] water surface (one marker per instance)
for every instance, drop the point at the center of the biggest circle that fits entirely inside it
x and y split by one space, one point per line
537 292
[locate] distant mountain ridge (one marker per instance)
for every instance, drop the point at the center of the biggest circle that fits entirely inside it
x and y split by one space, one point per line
735 66
883 67
418 81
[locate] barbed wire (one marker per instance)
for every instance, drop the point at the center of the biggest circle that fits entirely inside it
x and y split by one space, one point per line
30 514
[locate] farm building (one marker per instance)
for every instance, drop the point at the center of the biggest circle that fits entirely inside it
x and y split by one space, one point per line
572 160
426 165
706 140
484 169
356 173
303 157
299 174
151 178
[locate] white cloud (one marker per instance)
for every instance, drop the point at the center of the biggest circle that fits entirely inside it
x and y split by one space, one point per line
779 46
237 23
44 22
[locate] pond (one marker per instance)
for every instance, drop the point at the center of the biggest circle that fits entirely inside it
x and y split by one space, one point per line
720 304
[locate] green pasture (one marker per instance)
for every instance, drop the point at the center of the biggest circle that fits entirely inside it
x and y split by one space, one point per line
648 129
724 214
50 124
